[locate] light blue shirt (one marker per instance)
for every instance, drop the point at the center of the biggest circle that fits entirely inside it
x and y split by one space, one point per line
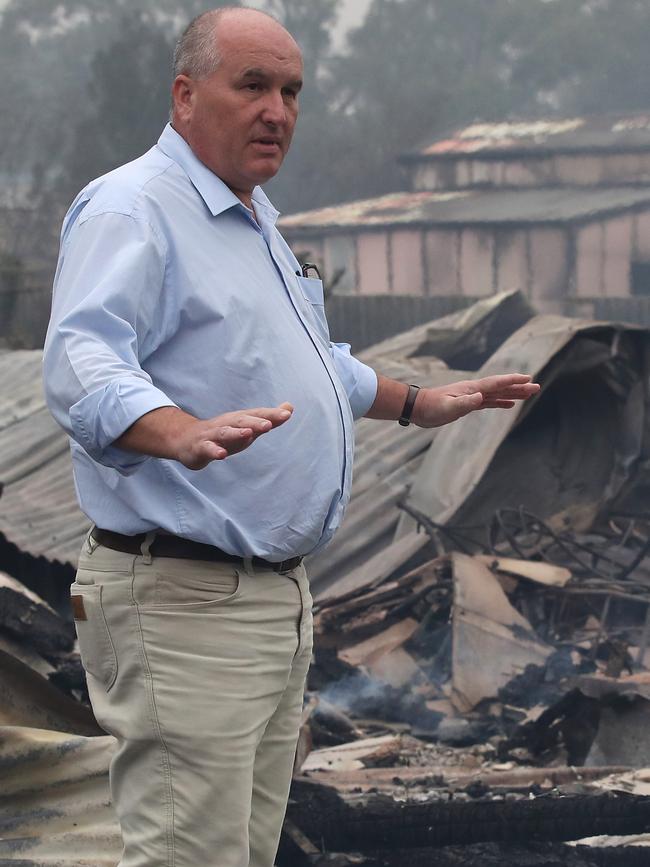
169 292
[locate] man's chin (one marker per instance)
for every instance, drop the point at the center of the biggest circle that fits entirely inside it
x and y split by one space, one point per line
266 169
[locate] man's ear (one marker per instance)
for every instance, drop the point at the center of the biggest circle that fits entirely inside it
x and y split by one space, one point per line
183 96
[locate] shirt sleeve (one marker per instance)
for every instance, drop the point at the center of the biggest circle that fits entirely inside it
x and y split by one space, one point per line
359 380
105 321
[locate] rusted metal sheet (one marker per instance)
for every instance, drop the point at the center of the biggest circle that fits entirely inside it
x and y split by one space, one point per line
587 430
38 506
596 133
469 207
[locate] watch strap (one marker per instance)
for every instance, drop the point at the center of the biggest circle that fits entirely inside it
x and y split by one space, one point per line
409 403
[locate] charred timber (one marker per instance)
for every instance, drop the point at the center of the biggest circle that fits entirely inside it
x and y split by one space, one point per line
381 823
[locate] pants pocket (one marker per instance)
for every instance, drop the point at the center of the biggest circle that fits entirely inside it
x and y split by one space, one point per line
95 643
170 583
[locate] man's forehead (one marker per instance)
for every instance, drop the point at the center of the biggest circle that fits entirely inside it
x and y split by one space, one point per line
248 52
291 72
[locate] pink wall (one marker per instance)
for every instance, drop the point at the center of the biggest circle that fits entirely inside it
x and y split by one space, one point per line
512 261
603 254
427 177
442 262
525 173
477 247
548 263
618 252
464 173
373 263
590 260
641 250
406 258
581 169
487 172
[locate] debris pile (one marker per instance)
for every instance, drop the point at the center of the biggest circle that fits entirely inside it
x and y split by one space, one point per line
478 698
480 691
490 644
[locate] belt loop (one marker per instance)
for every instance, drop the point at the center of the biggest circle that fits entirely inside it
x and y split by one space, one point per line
146 545
248 566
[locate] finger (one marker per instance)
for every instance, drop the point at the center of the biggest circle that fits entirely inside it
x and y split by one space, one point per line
256 423
515 392
209 451
277 415
228 436
490 384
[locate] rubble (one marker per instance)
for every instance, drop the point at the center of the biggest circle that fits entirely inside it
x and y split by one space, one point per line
480 690
27 618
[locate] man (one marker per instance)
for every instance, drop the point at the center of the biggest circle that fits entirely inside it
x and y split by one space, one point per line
212 440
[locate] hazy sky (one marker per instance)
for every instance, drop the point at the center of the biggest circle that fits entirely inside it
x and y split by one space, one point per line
351 14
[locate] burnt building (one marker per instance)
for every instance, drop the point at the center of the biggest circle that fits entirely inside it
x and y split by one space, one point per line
557 208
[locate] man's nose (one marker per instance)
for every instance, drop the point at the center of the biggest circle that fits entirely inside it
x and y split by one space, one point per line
275 110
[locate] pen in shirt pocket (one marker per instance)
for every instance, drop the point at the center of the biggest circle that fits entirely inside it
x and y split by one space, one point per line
309 270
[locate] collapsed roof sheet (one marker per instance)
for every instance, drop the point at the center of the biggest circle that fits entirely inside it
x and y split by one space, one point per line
572 454
472 207
38 506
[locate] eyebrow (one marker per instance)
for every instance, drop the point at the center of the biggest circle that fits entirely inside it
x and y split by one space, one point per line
255 72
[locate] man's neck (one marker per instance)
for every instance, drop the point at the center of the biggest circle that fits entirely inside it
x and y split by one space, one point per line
244 196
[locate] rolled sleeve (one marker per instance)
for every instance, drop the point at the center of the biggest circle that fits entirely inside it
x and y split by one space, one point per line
98 419
104 322
359 380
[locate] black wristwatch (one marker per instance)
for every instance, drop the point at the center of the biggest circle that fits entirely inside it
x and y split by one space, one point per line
409 403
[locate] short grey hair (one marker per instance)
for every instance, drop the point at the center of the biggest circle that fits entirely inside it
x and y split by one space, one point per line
196 53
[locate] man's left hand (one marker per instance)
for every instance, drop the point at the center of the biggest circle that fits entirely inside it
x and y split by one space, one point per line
438 406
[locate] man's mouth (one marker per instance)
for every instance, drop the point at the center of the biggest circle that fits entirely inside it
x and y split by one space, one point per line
269 144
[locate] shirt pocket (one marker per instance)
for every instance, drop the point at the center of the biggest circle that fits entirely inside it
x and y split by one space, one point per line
311 289
95 643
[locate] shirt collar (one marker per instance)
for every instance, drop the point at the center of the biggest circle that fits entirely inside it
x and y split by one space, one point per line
214 192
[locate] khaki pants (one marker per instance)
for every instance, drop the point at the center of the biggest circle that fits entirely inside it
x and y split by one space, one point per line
198 670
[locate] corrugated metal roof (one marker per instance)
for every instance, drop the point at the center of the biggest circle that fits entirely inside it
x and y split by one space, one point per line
55 802
620 132
469 207
38 506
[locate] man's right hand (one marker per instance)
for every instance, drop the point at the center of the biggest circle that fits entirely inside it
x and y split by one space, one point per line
168 432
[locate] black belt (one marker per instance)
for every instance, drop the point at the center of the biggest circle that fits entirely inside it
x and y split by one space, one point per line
165 545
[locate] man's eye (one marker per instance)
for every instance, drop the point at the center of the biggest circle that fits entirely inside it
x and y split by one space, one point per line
253 85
